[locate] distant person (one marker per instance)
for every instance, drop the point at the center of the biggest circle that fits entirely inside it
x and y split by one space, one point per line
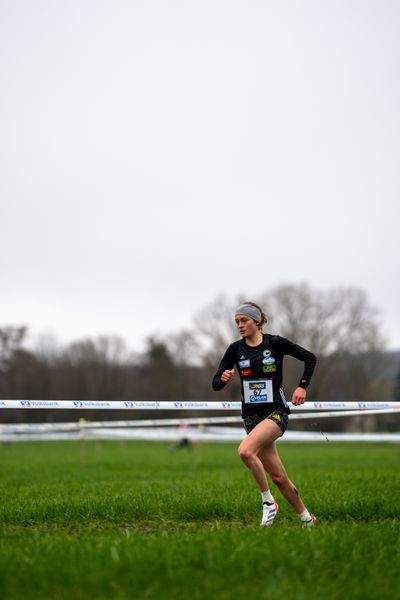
258 357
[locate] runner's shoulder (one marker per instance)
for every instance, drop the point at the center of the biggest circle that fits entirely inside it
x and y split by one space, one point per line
277 342
233 348
274 338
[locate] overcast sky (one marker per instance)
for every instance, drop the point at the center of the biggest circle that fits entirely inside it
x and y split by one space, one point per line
155 154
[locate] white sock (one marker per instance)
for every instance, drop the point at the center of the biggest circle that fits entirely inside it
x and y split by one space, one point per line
305 516
267 497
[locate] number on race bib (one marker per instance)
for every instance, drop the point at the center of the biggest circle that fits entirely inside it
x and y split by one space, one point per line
258 391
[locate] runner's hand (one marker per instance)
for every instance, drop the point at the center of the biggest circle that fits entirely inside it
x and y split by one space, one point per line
227 375
299 396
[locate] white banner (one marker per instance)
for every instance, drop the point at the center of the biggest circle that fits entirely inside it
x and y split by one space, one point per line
172 405
118 405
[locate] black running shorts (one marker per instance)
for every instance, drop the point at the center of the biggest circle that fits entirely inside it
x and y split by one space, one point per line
280 417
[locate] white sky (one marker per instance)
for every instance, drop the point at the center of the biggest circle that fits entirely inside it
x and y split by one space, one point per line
156 154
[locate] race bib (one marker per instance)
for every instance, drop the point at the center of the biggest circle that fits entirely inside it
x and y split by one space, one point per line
258 391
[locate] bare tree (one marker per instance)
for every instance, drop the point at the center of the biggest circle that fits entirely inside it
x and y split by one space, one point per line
215 329
185 348
328 322
91 369
11 340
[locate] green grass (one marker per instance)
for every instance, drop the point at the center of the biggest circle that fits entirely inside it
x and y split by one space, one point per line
136 520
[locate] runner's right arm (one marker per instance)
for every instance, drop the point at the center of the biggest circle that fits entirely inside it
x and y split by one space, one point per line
227 363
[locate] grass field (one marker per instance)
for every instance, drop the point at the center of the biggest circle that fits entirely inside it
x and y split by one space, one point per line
137 520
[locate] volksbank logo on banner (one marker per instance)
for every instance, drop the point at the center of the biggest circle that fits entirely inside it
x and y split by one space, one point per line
92 404
330 404
39 403
373 405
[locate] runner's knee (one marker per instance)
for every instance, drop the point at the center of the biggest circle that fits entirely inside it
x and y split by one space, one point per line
245 453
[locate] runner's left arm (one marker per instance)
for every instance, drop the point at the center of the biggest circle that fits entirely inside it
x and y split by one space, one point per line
308 358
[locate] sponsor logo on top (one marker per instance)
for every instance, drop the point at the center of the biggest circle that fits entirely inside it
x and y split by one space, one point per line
269 361
244 363
266 353
257 386
245 372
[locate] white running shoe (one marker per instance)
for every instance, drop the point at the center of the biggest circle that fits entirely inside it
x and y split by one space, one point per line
269 514
311 523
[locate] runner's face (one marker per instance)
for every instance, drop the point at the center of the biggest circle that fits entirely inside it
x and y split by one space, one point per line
247 327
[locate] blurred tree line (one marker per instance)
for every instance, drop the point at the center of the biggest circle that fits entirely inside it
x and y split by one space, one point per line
338 325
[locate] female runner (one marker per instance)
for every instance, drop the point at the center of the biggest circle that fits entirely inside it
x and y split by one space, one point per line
258 358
